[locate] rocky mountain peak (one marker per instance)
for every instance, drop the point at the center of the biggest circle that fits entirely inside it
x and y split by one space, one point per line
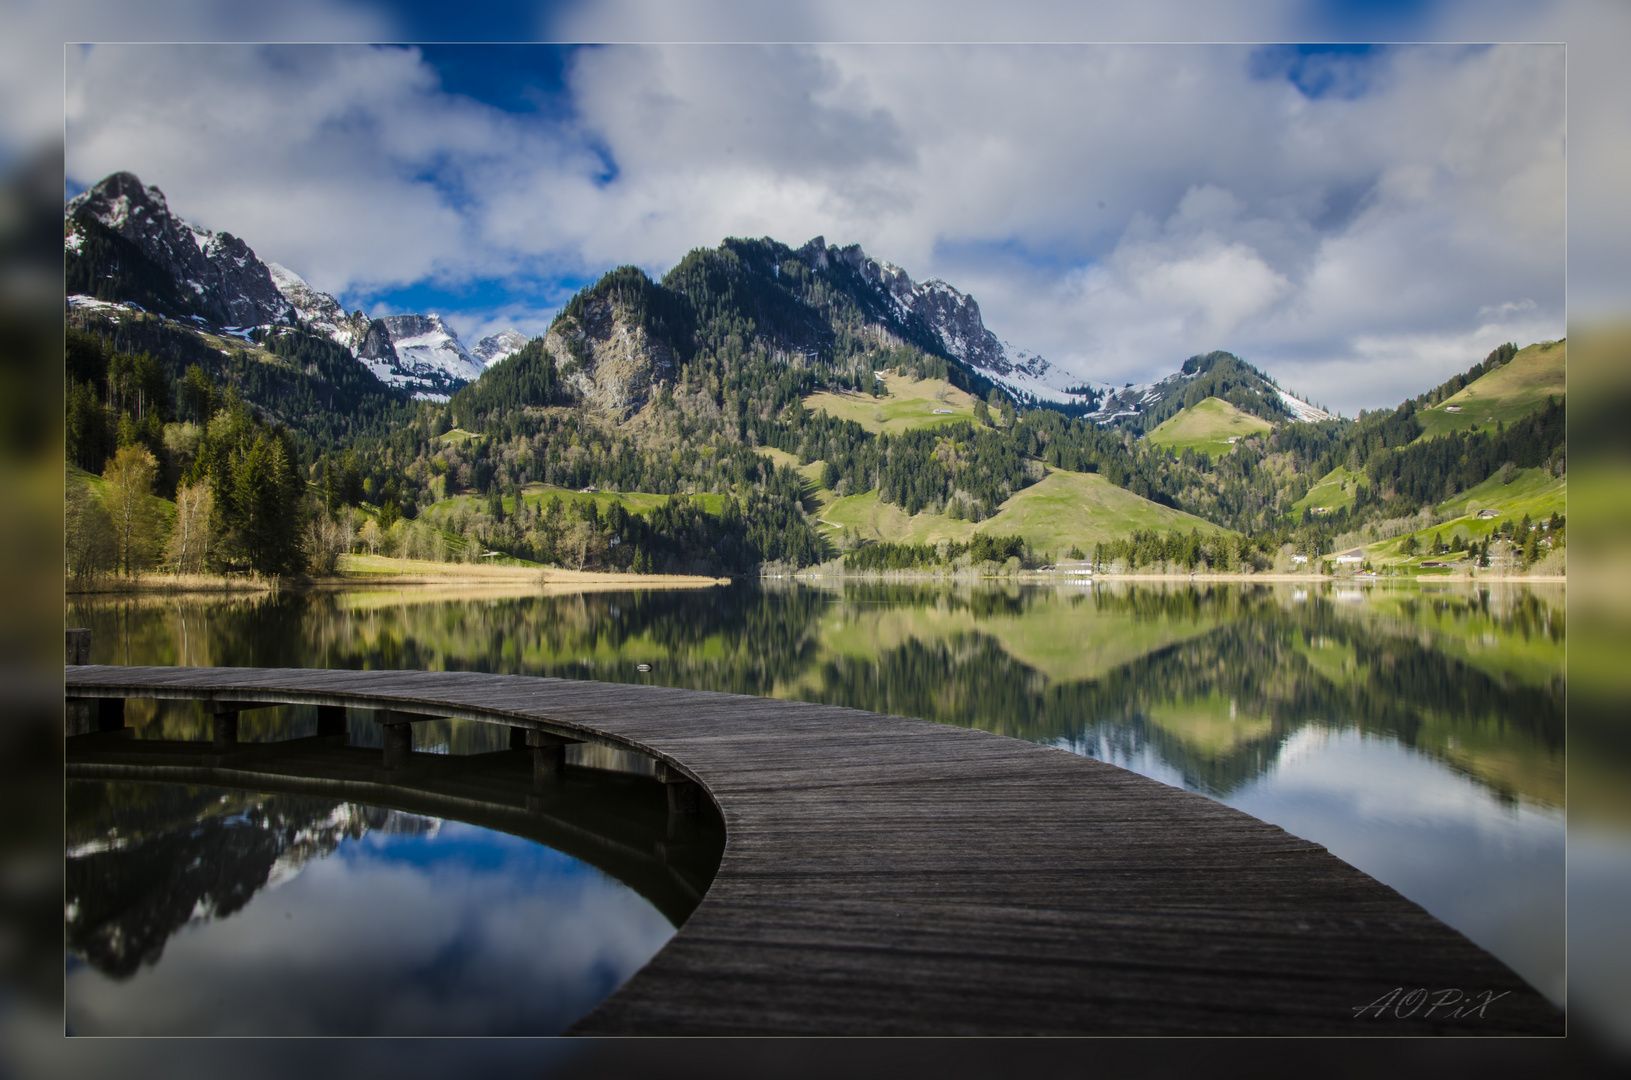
217 275
953 317
814 252
124 205
495 347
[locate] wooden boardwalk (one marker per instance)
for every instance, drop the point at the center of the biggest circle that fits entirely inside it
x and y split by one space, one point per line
883 875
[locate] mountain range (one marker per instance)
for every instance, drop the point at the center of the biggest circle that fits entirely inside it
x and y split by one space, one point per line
125 247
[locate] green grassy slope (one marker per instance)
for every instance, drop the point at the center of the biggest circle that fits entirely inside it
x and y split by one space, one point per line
1207 427
1334 491
1062 509
912 403
1518 387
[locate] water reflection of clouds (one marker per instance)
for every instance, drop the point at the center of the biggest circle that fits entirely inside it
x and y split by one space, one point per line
1144 760
1495 871
466 932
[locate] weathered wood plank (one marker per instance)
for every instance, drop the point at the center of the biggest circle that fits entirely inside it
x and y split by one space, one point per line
884 875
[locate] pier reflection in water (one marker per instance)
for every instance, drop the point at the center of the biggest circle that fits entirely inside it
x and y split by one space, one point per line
1416 730
457 895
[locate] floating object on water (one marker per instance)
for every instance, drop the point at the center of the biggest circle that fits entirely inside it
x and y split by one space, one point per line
642 667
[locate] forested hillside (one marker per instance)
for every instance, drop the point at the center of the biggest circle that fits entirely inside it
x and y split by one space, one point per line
699 384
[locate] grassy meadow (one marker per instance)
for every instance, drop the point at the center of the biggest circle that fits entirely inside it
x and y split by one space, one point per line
1060 510
911 403
1335 491
1518 387
1209 427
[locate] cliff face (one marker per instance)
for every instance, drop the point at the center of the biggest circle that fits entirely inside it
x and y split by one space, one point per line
608 358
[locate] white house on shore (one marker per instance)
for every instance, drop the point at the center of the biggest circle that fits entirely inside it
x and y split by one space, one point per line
1351 557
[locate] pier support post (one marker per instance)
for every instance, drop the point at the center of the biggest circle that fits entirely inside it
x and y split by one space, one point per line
398 731
331 720
224 735
79 645
548 753
684 795
548 762
110 714
398 744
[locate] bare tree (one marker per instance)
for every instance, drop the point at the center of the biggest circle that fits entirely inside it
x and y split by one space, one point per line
189 540
129 503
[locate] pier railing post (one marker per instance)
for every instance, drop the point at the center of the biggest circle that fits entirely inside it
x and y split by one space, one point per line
81 715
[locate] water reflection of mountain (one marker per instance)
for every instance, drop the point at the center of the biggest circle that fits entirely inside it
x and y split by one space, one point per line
1212 679
146 859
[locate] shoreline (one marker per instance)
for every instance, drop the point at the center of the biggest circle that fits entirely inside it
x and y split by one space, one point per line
552 580
414 573
1085 578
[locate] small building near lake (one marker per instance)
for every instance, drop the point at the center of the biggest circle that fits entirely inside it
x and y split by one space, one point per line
1351 557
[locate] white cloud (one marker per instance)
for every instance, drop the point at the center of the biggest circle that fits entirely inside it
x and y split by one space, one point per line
31 48
1115 208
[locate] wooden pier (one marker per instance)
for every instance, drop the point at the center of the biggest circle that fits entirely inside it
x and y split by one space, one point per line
889 876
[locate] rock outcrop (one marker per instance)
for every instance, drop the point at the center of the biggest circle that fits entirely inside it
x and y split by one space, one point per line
608 358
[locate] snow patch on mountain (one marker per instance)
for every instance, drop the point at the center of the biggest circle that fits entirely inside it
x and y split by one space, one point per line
110 308
320 312
425 345
1133 399
495 347
1302 410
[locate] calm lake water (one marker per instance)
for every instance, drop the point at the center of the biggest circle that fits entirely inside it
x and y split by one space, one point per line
1416 731
209 911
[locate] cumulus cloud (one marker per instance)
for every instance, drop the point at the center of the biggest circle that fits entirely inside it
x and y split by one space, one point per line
1115 208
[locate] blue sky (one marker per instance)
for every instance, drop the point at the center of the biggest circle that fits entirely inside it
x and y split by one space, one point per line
1357 220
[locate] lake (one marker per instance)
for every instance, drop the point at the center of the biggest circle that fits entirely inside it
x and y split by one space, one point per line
1417 731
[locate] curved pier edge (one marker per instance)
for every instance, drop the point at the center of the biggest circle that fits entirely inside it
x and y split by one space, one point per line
884 875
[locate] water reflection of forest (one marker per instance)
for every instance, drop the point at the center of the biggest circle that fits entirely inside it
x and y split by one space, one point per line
1213 679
